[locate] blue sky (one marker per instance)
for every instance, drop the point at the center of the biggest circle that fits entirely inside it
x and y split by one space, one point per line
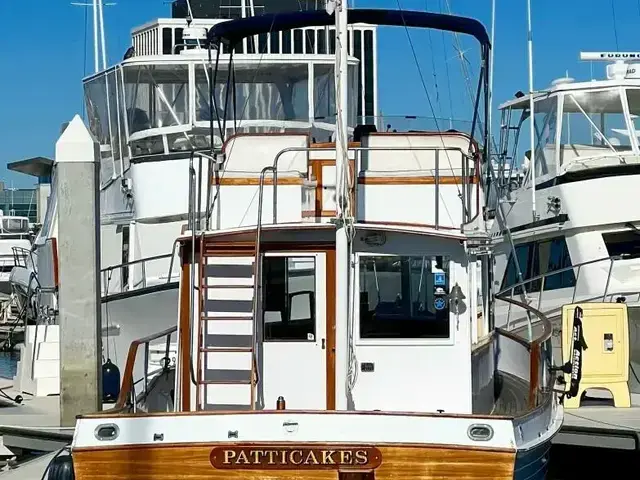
42 58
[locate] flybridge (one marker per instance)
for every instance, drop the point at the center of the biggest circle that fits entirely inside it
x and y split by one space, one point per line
626 65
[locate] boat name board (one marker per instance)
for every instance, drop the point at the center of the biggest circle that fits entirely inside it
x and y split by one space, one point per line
284 458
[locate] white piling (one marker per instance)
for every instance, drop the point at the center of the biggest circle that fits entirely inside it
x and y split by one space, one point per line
78 196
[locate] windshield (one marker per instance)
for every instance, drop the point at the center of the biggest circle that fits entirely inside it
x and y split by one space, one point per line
596 119
276 92
269 95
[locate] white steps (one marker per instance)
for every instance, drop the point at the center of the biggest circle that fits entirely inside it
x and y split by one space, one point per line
226 327
40 376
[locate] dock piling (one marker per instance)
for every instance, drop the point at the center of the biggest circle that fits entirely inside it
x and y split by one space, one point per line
78 194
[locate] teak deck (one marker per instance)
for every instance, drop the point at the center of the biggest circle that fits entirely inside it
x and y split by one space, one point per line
196 462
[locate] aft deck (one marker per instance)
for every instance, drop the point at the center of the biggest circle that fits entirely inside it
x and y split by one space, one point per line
597 422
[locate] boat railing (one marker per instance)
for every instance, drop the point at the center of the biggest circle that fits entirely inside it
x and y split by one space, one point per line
133 275
536 285
129 396
509 347
23 257
469 171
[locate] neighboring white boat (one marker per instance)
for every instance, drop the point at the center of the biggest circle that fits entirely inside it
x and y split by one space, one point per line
336 330
583 241
15 242
151 115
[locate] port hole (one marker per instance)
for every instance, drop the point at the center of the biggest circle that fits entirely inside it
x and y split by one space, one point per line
107 432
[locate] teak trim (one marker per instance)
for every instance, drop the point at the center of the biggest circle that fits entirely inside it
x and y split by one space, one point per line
534 347
212 445
185 338
255 181
416 180
127 378
54 253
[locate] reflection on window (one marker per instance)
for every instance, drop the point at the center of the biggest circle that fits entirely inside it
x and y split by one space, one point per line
539 258
156 96
404 297
545 115
593 123
15 225
633 97
268 93
289 298
324 93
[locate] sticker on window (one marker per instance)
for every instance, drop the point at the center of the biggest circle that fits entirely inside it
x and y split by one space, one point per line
311 337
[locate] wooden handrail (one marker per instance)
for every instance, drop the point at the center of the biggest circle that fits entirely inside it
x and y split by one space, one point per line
533 346
127 378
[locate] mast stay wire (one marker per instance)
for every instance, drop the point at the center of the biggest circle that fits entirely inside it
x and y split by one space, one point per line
426 91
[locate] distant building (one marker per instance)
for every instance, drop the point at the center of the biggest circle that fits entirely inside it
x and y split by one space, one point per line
21 202
29 202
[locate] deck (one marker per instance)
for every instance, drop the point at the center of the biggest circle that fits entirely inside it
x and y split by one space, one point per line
597 423
34 424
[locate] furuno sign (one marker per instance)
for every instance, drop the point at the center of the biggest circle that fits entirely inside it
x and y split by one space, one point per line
296 458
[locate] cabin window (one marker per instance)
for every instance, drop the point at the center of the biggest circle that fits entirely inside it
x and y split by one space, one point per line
297 41
539 258
593 124
545 114
274 39
289 298
125 254
167 41
622 243
404 297
322 42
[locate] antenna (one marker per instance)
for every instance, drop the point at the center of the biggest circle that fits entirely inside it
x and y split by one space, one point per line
532 163
622 65
491 56
610 56
98 29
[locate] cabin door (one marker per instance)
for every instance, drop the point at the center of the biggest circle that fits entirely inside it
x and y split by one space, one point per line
294 330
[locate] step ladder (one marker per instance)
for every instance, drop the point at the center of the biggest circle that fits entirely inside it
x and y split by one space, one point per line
227 371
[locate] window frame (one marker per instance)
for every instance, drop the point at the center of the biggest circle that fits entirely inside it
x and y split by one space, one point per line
531 269
359 341
316 278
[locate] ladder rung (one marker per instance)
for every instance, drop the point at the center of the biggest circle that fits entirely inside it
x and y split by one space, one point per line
225 350
204 318
205 287
225 382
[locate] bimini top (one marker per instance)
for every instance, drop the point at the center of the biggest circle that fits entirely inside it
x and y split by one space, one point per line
233 31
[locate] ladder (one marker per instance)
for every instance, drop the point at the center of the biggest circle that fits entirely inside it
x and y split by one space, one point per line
226 371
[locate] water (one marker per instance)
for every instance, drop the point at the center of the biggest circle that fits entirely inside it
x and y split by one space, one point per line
569 463
8 364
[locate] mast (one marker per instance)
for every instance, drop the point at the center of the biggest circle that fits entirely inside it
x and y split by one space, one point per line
532 165
96 58
103 44
343 339
99 42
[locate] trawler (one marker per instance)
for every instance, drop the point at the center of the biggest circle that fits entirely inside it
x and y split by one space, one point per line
150 114
15 233
576 246
336 332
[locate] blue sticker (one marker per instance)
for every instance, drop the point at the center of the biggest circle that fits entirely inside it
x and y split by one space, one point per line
439 278
440 303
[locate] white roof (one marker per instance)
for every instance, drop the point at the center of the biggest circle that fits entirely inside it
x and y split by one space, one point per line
523 102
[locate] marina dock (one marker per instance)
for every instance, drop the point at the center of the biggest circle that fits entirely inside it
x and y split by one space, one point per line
33 424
